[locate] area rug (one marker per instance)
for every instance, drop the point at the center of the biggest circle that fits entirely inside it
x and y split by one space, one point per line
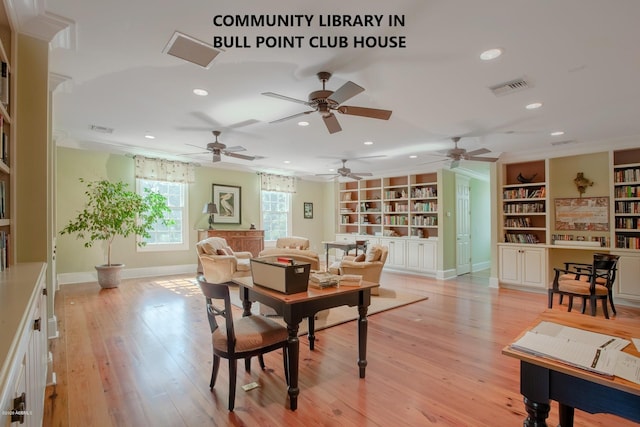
387 300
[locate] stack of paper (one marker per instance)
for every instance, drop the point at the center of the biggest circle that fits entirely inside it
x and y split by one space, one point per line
592 351
350 280
322 279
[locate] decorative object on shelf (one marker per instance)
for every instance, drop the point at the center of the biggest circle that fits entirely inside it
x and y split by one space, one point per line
582 183
210 208
524 180
308 210
252 226
227 198
111 210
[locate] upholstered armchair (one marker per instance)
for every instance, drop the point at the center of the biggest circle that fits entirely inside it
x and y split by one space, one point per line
368 265
219 263
293 247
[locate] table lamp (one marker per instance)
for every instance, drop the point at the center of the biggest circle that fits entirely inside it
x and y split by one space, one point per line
210 208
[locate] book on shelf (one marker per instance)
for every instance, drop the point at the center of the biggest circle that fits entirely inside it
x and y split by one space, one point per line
4 83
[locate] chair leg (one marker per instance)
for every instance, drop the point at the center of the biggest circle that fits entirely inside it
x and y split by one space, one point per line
261 361
285 359
613 307
584 305
214 371
247 364
570 305
232 383
560 299
605 310
593 301
550 305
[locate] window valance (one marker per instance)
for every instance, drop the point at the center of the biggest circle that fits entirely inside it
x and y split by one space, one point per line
270 182
164 170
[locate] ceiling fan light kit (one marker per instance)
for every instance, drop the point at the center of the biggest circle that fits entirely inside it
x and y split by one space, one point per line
326 102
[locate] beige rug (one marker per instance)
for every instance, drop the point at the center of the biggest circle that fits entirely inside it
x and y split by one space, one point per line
387 300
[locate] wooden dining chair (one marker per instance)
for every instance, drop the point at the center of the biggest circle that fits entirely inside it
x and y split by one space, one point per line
588 281
241 338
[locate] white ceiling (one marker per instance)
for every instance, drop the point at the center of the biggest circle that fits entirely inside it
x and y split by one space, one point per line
581 59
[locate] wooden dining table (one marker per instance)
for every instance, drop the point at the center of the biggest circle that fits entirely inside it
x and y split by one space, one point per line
295 307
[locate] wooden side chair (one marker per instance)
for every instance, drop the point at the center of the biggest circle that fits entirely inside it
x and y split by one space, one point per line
588 281
241 338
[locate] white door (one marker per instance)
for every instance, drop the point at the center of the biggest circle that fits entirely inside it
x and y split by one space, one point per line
463 225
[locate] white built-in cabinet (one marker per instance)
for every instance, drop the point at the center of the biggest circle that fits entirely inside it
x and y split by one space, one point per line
397 251
23 344
523 265
422 255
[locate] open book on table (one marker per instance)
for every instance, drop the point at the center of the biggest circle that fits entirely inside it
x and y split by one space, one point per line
592 351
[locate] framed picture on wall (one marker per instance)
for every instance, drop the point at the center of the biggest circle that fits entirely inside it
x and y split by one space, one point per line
227 199
308 210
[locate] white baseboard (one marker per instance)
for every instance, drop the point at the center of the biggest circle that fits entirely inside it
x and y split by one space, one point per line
128 273
494 282
479 266
446 274
52 327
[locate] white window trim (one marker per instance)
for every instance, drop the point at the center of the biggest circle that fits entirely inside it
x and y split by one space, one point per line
169 247
272 243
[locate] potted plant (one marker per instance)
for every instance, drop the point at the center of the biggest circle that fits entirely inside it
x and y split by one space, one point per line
112 210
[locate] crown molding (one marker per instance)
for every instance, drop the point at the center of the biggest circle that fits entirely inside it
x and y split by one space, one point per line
29 17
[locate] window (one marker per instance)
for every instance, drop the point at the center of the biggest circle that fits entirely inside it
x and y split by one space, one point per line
168 237
276 214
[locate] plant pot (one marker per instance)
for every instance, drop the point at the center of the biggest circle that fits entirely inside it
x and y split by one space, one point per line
109 275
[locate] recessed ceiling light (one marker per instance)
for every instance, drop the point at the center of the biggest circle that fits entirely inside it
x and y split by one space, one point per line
534 105
368 143
557 133
200 92
413 156
490 54
332 170
303 123
148 136
286 162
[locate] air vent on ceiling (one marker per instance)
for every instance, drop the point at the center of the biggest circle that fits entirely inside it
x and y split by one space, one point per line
195 51
101 129
509 87
568 141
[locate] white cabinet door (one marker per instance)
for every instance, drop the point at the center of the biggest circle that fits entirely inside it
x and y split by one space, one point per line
627 284
421 255
396 257
523 265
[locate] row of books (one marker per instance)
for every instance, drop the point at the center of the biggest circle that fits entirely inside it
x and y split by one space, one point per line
628 191
4 83
524 207
521 238
627 207
627 175
4 249
4 143
3 199
524 193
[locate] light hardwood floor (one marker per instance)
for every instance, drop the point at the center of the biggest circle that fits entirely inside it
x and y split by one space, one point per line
140 355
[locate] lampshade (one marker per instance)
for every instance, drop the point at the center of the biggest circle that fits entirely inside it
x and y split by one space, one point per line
210 208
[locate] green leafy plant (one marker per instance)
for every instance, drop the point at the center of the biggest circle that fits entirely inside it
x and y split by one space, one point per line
112 210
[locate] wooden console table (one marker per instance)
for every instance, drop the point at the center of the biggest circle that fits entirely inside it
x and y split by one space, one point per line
239 240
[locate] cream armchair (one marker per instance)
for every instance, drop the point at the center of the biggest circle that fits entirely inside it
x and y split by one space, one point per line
296 248
219 263
370 268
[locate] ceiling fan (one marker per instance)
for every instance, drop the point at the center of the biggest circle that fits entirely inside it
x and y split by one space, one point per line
345 172
326 102
456 154
218 148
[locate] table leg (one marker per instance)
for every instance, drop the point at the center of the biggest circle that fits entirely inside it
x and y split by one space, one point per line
537 414
326 251
246 303
311 334
565 415
293 351
362 339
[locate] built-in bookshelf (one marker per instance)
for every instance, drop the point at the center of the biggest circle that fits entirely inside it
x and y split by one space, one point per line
6 124
626 198
524 203
398 206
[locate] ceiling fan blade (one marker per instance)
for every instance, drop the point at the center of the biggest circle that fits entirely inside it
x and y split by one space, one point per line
353 176
238 156
362 173
346 91
482 159
327 174
372 113
292 117
234 149
331 122
285 98
478 151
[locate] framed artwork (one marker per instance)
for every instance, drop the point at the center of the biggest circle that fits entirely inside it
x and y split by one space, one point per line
586 213
308 210
227 199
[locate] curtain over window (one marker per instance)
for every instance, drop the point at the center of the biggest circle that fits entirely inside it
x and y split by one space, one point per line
164 170
284 184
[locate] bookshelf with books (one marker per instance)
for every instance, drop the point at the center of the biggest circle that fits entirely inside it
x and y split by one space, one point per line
626 199
7 129
423 194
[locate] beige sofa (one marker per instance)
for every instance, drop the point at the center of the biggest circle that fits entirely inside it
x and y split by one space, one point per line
296 248
219 262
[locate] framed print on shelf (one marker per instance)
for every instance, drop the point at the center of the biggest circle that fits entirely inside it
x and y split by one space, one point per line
227 199
308 210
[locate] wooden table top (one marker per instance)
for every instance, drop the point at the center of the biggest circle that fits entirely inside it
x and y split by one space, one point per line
310 294
626 328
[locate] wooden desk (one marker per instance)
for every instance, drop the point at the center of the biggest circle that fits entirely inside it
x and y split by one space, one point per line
295 307
542 379
344 246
